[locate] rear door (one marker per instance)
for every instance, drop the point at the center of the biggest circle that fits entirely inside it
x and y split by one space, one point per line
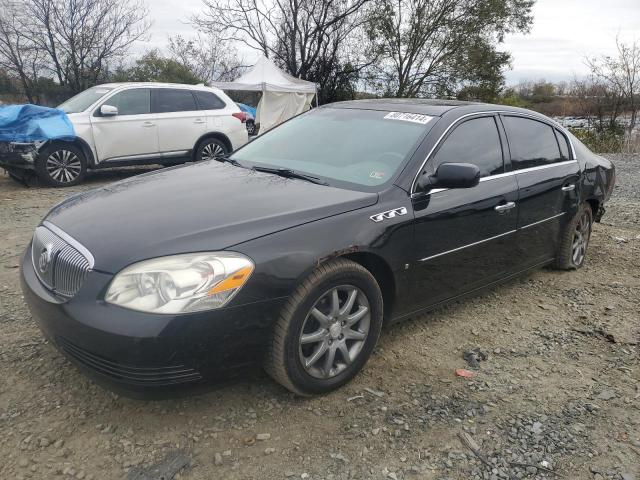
465 238
180 122
132 134
547 178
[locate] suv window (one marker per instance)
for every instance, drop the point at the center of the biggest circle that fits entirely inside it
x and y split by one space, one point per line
532 143
475 141
136 101
208 100
564 145
173 100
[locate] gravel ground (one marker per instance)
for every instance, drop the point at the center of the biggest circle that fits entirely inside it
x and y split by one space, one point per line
555 395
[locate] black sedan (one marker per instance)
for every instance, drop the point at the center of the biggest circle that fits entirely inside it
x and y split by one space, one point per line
294 251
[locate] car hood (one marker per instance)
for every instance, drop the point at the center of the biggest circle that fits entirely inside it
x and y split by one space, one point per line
200 207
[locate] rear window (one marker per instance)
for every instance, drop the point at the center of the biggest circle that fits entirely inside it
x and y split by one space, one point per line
208 100
173 100
532 143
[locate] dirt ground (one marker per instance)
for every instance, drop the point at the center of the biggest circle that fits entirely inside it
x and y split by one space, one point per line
558 395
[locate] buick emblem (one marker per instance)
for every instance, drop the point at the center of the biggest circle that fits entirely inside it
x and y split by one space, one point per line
45 258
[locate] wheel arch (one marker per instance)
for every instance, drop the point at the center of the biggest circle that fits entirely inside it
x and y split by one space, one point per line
217 135
381 271
76 142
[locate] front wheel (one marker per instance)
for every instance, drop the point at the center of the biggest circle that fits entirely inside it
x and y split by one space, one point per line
575 240
61 165
327 330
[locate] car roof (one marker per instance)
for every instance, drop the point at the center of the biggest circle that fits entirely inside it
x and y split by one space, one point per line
158 85
431 107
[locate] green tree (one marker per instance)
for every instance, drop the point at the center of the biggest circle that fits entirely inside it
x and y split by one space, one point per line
153 67
435 47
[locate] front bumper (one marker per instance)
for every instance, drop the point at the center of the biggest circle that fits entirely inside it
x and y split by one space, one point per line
20 156
148 355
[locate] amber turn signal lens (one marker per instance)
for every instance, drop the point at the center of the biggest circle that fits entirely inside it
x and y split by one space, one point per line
232 282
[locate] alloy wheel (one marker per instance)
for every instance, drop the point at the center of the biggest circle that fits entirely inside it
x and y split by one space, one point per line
581 239
334 331
211 151
63 166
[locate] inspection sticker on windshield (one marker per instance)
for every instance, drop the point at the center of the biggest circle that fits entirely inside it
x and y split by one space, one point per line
408 117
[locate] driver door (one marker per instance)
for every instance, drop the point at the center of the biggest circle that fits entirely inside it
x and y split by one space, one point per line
132 134
465 238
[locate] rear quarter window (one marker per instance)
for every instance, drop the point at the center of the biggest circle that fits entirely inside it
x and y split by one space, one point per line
532 143
208 100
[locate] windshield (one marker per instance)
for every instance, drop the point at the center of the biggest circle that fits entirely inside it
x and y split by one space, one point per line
359 147
84 100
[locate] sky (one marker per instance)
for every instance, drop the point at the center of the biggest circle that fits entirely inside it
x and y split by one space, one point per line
563 33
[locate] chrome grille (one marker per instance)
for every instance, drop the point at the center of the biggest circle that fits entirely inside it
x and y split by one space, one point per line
59 261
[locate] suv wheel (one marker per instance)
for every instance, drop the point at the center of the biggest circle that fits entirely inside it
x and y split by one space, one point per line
575 240
211 149
251 127
60 165
327 330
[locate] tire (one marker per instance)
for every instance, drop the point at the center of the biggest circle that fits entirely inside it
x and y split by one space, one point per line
251 127
575 240
210 149
61 165
353 332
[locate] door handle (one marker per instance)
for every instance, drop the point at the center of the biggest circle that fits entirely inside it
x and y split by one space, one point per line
505 207
199 121
569 188
148 124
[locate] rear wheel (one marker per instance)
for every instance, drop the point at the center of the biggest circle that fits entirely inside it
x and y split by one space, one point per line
211 149
327 330
575 240
61 165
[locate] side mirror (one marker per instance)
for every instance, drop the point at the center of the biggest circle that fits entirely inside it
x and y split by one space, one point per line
108 111
451 175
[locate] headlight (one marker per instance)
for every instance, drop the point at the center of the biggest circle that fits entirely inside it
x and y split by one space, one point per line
181 283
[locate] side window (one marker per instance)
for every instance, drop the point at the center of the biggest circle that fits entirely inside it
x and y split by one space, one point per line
136 101
208 100
173 100
475 141
532 143
564 145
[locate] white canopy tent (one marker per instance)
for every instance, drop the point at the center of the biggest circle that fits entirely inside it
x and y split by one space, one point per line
283 96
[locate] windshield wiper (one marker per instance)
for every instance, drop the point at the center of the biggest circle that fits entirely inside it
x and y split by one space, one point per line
226 159
288 173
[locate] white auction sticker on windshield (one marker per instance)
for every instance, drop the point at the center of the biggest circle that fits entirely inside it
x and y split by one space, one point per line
408 117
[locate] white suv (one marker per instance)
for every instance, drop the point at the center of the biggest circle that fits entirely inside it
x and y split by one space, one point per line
119 124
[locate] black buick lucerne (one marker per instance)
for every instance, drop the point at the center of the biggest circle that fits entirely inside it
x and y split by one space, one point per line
295 250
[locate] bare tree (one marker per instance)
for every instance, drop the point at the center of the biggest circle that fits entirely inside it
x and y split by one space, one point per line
72 40
18 54
424 42
207 56
621 76
316 40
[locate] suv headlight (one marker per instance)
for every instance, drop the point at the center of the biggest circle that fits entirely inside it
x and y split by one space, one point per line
180 283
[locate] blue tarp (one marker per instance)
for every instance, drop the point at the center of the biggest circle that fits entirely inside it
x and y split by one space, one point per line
32 123
247 109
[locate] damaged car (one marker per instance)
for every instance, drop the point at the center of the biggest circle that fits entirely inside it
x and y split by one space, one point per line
293 252
120 124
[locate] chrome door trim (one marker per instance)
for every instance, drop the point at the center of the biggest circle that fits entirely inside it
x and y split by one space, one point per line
141 156
569 188
469 245
501 175
541 221
549 122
